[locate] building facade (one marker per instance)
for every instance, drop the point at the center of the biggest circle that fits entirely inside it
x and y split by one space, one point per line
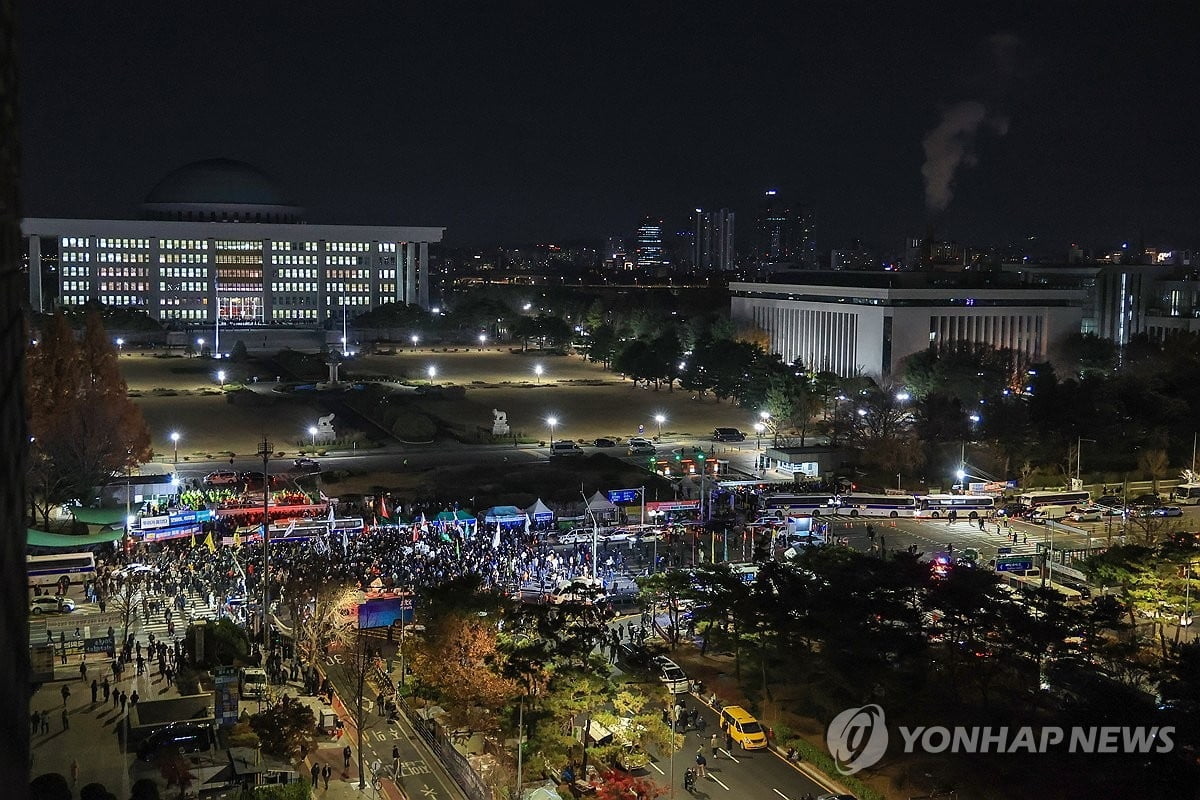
870 322
713 245
783 233
221 244
648 248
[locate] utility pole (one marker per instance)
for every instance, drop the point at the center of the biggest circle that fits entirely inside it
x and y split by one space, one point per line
264 450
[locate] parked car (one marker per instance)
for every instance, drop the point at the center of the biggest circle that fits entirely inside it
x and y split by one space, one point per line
565 449
188 737
633 655
604 441
1167 511
641 447
1111 500
672 675
222 477
51 605
1146 500
728 435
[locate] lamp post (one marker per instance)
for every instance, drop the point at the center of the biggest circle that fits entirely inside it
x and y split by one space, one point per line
221 377
120 345
660 419
1079 440
415 339
482 340
552 421
758 430
175 443
312 431
537 370
432 374
200 346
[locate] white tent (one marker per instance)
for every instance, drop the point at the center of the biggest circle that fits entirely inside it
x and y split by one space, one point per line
599 505
540 512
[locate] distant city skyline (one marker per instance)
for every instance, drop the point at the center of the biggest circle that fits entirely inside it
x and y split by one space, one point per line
995 125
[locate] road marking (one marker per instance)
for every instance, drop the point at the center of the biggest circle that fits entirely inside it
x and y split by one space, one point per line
656 769
726 752
428 792
781 794
718 780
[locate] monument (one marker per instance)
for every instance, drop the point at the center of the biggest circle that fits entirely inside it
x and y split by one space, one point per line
499 423
325 428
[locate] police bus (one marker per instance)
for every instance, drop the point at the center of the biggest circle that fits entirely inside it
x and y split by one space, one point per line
783 505
1054 498
58 572
877 505
970 506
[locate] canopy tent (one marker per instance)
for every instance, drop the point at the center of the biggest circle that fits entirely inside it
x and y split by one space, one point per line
44 539
540 512
99 516
599 504
505 515
458 515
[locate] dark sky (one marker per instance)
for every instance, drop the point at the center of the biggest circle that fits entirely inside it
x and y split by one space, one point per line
518 122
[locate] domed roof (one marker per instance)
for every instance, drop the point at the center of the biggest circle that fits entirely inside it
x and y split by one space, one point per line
217 181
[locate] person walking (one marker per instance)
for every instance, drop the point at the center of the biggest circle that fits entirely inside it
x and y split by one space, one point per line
701 763
133 699
316 774
326 772
66 720
83 671
95 690
715 742
66 693
105 687
728 740
74 773
45 721
395 761
124 698
346 753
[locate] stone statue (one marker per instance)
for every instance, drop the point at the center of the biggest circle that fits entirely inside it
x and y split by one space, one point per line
499 423
325 427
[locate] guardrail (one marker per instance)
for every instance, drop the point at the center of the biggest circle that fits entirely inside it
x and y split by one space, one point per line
456 763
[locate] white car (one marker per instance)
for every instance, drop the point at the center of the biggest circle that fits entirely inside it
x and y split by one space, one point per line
641 447
618 535
51 605
577 536
1087 515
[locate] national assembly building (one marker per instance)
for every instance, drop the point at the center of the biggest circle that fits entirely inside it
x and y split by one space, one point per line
219 242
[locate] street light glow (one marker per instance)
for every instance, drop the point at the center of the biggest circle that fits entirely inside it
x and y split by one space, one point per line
903 396
221 376
764 415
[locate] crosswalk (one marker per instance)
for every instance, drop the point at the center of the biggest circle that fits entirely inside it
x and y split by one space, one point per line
197 608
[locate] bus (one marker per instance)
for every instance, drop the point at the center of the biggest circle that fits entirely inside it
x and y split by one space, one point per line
1186 494
877 505
782 505
1063 498
59 572
971 506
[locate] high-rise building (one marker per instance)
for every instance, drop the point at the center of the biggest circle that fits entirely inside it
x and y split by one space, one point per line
783 233
649 244
712 248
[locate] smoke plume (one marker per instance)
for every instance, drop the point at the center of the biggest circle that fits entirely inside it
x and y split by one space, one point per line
950 146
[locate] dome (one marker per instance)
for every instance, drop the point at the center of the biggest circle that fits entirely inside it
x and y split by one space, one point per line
221 190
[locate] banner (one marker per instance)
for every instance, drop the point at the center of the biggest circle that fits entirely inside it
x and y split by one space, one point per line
673 505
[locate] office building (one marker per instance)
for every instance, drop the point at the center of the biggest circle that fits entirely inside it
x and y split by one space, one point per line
220 241
648 247
713 243
871 321
783 233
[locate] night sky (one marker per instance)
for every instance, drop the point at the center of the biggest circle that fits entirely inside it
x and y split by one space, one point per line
516 123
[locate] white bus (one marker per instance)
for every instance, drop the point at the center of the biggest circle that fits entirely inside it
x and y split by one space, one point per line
971 506
1186 494
58 572
782 505
877 505
1063 498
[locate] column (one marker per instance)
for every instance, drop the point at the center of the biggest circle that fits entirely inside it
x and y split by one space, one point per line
410 273
35 273
423 286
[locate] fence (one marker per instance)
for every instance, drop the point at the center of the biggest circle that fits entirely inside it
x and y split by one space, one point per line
456 763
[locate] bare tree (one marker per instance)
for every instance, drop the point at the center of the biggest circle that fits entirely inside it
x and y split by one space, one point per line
1155 465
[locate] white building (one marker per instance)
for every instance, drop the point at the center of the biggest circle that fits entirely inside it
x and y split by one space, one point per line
870 321
220 239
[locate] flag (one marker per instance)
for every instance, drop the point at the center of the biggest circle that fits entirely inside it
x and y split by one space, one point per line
526 524
208 542
237 539
345 541
496 537
193 538
331 512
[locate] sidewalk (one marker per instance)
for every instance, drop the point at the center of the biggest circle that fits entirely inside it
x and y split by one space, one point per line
343 784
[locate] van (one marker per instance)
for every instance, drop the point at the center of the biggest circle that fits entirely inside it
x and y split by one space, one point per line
1052 512
728 435
187 737
565 449
253 683
743 727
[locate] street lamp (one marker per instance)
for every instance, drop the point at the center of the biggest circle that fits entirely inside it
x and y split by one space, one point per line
660 419
175 442
903 397
200 345
537 370
120 344
221 377
432 373
312 431
758 431
551 421
482 340
415 339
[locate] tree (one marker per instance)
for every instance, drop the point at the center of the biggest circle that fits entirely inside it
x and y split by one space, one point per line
288 730
83 425
238 353
603 344
617 785
462 664
1155 465
144 789
125 599
225 643
668 588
